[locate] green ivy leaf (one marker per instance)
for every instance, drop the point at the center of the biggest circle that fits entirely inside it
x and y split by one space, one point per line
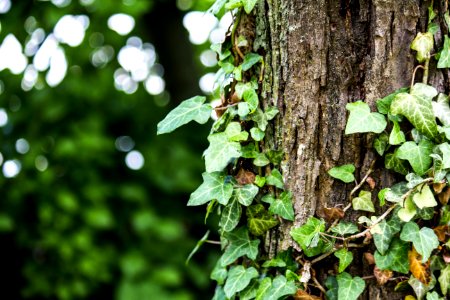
251 97
343 228
444 59
332 288
433 296
344 173
257 134
280 287
217 6
191 109
396 258
275 156
263 289
384 105
345 258
250 291
424 240
271 112
308 234
362 120
349 288
418 156
249 151
380 143
219 294
238 279
444 280
260 180
441 109
275 178
230 215
259 220
232 4
385 233
445 150
423 44
397 136
419 288
417 108
239 245
219 273
250 59
396 192
222 149
424 198
283 206
407 212
261 160
197 246
363 202
214 186
260 118
274 262
246 194
413 180
392 162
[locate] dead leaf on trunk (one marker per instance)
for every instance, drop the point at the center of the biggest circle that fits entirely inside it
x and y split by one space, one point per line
438 187
418 269
369 258
442 232
334 213
303 295
444 196
371 182
244 177
382 276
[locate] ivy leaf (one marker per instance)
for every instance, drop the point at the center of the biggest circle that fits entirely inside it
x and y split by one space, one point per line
257 134
280 287
238 279
250 291
275 156
444 280
397 136
239 245
260 118
396 192
424 198
349 288
344 173
251 97
392 162
222 149
417 108
219 273
380 143
271 112
417 268
433 296
362 120
246 194
407 212
423 44
444 59
418 156
363 202
283 206
396 259
388 230
424 240
384 105
217 6
191 109
261 160
445 150
419 288
219 294
343 228
214 186
332 288
248 5
274 262
441 109
250 59
259 220
263 289
413 180
275 178
345 258
308 235
231 215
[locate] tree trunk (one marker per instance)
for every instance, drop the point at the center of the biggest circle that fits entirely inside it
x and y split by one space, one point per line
319 56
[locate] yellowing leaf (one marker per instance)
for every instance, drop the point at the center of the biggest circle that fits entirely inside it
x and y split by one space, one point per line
423 44
424 198
420 270
363 202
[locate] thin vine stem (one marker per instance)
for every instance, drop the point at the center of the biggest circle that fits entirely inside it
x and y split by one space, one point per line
414 74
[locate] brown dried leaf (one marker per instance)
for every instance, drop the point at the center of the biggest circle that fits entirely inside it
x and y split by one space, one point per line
444 196
244 177
303 295
371 182
441 232
418 269
334 213
438 187
369 258
382 276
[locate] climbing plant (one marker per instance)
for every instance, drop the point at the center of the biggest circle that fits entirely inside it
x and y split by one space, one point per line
406 238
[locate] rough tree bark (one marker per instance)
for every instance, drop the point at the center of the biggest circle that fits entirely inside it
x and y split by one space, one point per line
319 56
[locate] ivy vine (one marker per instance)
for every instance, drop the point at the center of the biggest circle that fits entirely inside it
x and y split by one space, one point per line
245 187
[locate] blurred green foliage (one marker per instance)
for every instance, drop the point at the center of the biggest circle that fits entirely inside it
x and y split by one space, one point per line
76 222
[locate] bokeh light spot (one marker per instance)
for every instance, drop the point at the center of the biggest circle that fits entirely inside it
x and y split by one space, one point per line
134 160
11 168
